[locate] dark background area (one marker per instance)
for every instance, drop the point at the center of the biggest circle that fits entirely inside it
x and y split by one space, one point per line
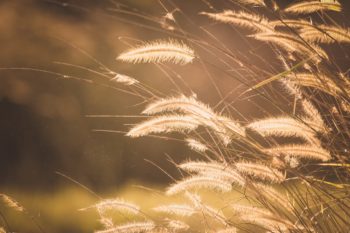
43 120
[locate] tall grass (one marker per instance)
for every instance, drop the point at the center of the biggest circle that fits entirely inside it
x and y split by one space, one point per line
291 166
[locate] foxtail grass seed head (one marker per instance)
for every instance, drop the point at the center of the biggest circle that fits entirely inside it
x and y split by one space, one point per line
199 182
124 79
177 225
164 124
12 203
196 145
159 51
116 205
253 22
134 227
260 171
307 7
176 209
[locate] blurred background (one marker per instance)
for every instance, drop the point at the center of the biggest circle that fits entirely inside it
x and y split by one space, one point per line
44 128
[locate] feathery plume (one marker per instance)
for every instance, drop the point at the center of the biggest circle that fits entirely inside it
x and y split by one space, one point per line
243 209
224 127
345 106
318 81
196 145
260 171
314 118
124 79
291 88
197 182
253 2
231 127
254 22
180 210
325 34
301 151
291 43
291 161
159 51
177 225
115 204
188 105
136 227
164 124
10 202
106 222
228 230
282 126
313 6
291 23
214 170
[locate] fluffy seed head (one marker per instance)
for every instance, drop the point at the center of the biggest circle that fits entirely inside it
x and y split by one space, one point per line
12 203
301 151
124 79
214 170
164 124
260 171
180 210
196 145
199 182
313 6
116 204
243 19
159 51
135 227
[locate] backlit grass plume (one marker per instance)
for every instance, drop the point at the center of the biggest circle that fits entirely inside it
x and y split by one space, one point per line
326 34
159 51
307 7
301 151
243 19
164 124
287 162
199 182
135 227
124 79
